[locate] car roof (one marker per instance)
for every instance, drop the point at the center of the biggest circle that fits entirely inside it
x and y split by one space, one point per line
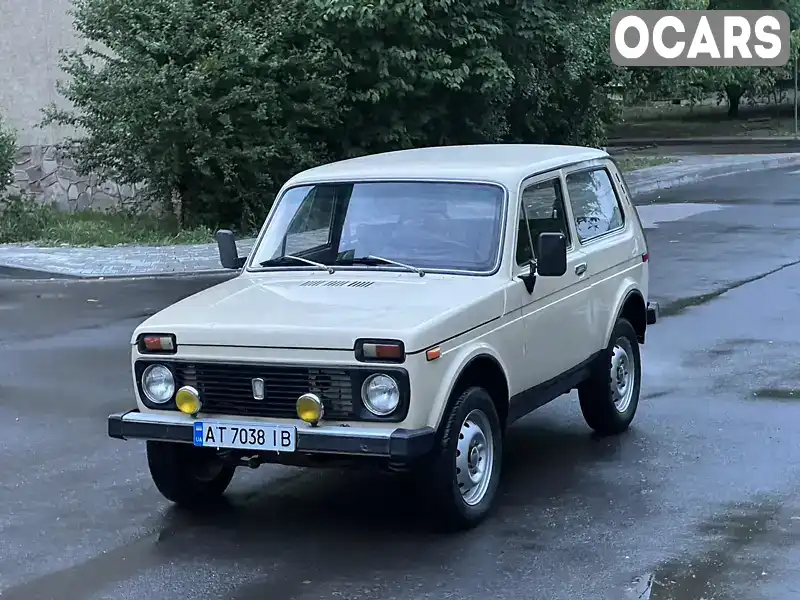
506 164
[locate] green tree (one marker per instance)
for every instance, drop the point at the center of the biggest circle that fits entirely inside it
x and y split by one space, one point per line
415 72
733 84
213 103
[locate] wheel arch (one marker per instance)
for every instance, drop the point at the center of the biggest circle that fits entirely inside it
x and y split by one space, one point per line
479 366
633 308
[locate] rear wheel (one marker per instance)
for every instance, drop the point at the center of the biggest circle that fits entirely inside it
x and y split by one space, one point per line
186 475
610 397
465 469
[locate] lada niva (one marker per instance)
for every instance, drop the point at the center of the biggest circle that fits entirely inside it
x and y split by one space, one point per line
402 309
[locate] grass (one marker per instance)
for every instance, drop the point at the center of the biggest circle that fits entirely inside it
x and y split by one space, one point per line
633 163
665 120
23 221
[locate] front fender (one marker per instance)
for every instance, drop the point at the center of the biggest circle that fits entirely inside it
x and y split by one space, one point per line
461 357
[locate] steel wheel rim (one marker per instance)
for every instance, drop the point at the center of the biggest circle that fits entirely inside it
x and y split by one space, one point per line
474 457
622 374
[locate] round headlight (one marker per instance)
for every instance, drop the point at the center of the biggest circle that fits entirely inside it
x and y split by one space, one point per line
158 384
380 394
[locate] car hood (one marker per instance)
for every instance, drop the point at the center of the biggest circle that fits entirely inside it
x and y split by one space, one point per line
322 311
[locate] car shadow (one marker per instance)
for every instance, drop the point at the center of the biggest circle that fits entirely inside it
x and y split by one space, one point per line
329 525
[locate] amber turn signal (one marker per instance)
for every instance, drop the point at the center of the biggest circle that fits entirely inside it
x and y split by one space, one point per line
433 353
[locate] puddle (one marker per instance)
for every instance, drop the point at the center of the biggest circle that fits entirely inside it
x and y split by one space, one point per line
743 546
653 214
776 393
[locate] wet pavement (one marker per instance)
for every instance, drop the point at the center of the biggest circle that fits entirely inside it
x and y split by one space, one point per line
698 501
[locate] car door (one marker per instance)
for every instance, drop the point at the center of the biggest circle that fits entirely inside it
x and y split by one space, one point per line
607 237
553 316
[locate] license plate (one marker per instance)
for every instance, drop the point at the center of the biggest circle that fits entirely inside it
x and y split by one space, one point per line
245 436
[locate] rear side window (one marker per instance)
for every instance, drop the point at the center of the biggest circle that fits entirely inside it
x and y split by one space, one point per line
595 205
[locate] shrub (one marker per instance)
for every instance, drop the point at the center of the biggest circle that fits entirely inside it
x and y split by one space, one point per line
8 150
25 220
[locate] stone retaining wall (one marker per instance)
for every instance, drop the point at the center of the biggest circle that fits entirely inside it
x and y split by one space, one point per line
49 175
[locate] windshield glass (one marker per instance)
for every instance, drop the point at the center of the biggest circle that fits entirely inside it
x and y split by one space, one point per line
427 225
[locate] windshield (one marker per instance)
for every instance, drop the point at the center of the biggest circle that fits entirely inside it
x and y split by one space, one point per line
427 225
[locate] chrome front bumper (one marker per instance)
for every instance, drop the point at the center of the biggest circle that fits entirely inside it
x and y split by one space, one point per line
397 444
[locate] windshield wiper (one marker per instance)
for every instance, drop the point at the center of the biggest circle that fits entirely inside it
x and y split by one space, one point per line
279 260
372 260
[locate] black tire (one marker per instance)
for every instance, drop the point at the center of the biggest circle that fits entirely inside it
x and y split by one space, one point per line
452 510
597 393
188 476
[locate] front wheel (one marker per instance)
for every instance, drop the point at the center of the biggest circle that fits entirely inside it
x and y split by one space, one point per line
465 468
610 396
188 476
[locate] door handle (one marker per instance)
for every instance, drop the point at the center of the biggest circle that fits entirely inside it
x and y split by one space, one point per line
580 269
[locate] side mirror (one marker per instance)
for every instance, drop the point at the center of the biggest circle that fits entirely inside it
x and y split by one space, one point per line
551 254
228 254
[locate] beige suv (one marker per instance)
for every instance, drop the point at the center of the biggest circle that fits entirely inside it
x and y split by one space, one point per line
402 309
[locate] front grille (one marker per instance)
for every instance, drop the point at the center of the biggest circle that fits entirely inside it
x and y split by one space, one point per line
227 389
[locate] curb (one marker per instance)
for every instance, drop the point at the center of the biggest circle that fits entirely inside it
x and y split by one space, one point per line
7 272
705 141
672 181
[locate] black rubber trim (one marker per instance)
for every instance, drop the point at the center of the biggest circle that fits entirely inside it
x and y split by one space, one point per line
411 443
653 312
340 444
403 444
124 430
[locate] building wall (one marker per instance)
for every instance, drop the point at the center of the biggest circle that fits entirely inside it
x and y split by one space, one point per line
31 34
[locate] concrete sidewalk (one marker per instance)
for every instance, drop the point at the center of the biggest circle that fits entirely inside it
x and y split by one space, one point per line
789 141
149 261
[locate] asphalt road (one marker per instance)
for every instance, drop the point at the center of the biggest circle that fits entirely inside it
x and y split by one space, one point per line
699 500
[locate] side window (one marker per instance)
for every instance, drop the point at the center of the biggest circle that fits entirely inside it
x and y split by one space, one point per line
542 211
595 205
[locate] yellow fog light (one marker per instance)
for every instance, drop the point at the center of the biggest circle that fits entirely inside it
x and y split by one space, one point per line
310 409
188 400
